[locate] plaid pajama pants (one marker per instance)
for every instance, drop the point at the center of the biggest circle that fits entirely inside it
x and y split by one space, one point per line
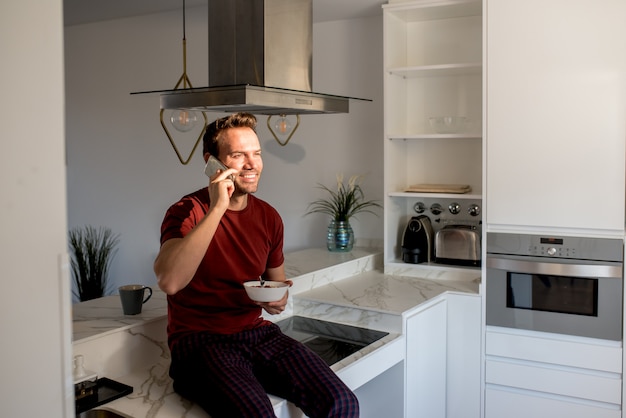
230 375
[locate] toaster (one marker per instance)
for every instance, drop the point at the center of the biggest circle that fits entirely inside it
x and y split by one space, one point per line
457 244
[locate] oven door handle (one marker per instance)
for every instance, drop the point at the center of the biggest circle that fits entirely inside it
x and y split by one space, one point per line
604 270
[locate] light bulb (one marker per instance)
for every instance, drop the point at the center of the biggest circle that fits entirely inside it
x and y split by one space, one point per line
282 128
184 120
282 125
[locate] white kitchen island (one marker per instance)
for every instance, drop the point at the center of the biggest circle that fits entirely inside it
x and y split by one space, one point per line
345 288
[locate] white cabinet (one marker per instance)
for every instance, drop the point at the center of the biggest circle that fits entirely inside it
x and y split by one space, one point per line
539 374
463 356
433 67
443 359
517 404
426 362
556 114
555 133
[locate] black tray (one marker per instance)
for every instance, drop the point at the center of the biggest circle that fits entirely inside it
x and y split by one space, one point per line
107 390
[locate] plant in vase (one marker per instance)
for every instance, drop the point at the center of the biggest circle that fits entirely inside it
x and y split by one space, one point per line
92 252
342 204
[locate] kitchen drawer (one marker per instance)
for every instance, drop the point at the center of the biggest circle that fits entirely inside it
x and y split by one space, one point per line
585 353
565 381
502 402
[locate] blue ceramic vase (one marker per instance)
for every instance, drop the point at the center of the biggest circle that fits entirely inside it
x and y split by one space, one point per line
340 236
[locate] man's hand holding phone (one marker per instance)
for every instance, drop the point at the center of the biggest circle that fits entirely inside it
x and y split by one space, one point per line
217 179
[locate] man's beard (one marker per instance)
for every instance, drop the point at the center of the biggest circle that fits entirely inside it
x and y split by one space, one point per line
246 188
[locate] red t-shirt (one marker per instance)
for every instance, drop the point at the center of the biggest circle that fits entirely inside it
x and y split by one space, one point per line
245 244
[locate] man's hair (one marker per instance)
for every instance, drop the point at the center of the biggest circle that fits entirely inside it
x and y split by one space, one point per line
213 131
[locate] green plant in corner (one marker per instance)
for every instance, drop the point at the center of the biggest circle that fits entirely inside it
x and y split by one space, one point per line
345 202
92 251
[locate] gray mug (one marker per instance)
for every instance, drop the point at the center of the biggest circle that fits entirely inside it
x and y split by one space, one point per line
133 297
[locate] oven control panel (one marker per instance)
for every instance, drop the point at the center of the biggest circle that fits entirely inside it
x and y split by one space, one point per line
579 248
543 250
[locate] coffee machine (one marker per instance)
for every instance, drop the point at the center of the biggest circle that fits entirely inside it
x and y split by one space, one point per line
417 241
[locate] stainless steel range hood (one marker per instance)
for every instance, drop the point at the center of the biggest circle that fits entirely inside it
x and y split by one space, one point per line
254 99
260 61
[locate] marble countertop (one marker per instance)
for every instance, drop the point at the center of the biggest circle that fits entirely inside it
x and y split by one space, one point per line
374 290
98 317
154 397
347 288
308 269
375 300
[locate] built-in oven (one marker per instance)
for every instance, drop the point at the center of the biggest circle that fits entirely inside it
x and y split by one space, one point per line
564 285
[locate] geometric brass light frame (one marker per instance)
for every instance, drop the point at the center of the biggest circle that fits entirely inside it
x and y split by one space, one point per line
184 79
269 126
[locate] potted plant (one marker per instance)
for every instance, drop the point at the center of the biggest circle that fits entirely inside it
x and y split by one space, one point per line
342 204
92 251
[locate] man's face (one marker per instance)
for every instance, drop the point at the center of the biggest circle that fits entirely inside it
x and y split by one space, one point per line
240 149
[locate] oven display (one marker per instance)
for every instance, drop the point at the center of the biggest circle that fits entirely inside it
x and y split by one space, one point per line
538 292
551 241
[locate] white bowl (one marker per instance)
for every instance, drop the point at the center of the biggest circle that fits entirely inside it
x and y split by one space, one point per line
270 292
449 124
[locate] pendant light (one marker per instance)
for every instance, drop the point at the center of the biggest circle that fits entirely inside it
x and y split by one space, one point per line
183 120
282 128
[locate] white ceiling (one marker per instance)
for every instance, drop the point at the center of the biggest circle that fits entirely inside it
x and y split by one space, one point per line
88 11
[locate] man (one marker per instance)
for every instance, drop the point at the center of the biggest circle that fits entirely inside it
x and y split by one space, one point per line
225 356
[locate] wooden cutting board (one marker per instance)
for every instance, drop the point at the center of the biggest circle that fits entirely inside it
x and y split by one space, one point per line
439 188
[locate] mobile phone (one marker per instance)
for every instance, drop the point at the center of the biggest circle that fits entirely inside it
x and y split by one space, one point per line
212 165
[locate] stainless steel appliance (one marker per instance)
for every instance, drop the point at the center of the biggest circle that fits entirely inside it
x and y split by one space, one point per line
565 285
417 240
260 61
458 244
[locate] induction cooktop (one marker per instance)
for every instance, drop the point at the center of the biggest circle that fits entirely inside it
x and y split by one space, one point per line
331 341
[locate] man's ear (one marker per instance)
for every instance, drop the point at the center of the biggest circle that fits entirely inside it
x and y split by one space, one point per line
206 156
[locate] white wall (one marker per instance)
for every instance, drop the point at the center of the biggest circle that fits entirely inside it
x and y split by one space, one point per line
34 303
123 173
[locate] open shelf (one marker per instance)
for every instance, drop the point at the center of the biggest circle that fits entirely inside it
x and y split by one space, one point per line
465 196
433 67
395 137
417 11
436 70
